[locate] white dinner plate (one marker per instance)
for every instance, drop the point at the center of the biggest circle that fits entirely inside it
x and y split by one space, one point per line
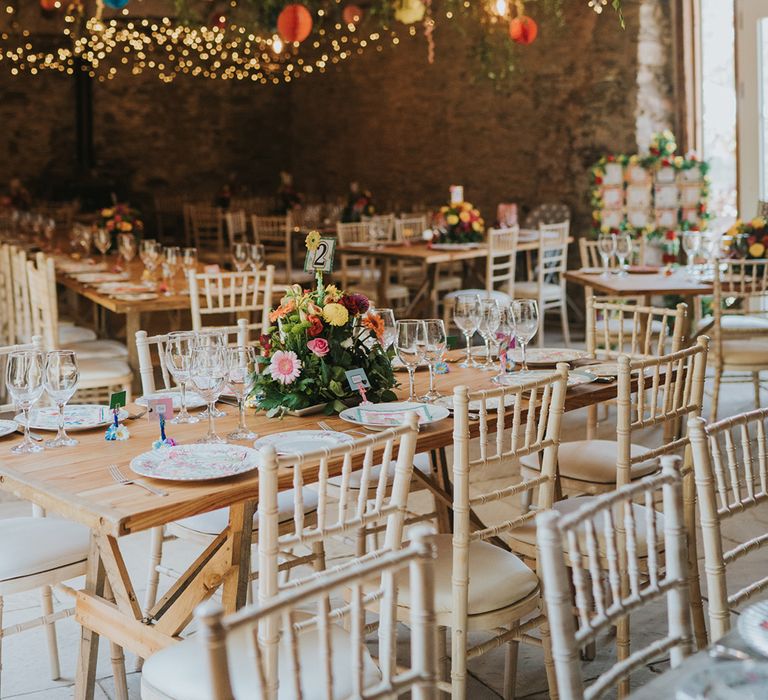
490 404
146 296
455 246
297 442
7 427
548 356
196 462
76 417
575 378
194 400
101 277
390 415
725 680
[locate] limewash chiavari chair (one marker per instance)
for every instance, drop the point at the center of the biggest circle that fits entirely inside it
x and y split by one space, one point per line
274 233
546 283
236 224
643 555
407 230
207 228
309 654
7 311
740 328
231 293
731 472
478 585
386 222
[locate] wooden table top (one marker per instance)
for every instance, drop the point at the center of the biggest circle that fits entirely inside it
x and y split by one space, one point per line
75 482
637 284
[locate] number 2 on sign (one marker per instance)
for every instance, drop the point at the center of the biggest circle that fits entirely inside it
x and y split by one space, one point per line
321 259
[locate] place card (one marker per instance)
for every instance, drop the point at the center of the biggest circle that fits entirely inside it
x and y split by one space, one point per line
666 218
161 407
638 197
117 400
638 218
357 378
690 195
614 174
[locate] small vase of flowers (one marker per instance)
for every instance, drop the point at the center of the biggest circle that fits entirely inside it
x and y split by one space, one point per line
459 224
750 238
121 218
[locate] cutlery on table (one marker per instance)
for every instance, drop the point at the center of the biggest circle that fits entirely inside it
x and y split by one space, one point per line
135 416
324 426
120 478
720 651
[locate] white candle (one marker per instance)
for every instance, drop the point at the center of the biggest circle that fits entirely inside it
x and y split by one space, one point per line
457 194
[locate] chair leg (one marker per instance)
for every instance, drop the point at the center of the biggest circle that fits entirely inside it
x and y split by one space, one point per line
155 557
715 394
622 651
443 661
549 663
756 387
50 633
510 669
564 322
694 582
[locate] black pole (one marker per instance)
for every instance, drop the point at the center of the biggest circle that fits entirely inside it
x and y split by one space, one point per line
84 116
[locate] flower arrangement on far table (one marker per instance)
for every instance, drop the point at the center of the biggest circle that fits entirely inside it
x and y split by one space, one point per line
459 222
750 237
320 334
359 204
121 218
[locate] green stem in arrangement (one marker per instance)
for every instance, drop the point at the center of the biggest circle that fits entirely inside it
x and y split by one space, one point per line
320 288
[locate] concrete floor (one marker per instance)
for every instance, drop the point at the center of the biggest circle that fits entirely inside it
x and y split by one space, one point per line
24 663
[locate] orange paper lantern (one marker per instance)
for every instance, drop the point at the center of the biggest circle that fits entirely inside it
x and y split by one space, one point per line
294 23
352 14
48 5
523 30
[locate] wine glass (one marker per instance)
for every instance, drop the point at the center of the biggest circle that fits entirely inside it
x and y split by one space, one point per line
466 316
240 256
623 251
505 335
209 377
242 368
431 350
189 262
171 266
212 338
102 239
526 317
84 240
179 351
691 243
389 335
149 252
708 247
61 376
409 334
25 372
606 245
49 231
489 317
126 247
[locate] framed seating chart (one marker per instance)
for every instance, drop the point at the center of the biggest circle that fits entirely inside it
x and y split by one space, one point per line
652 194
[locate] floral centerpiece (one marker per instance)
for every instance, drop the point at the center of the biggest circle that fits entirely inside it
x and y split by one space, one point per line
459 222
750 237
320 334
121 218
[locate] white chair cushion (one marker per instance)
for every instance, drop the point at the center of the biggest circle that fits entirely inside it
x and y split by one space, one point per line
594 461
626 326
74 334
34 545
527 532
96 370
737 323
499 296
530 290
99 349
180 671
497 578
420 462
750 353
216 521
443 284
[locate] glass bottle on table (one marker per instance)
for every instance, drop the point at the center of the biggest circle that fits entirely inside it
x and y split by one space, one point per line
466 316
606 246
410 333
432 351
179 351
490 316
241 377
61 377
208 375
526 317
25 373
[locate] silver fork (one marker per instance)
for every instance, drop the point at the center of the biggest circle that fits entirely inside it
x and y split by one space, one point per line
324 426
120 478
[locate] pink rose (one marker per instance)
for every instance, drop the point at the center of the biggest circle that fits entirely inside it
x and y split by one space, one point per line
319 346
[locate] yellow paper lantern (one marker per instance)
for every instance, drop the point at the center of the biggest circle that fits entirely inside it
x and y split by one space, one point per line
410 11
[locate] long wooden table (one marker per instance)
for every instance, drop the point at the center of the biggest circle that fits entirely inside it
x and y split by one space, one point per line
75 483
640 284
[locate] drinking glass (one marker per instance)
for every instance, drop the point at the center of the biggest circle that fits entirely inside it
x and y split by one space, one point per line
209 377
212 338
505 335
61 376
25 372
409 334
691 243
149 252
466 316
126 247
390 329
171 267
431 351
241 368
49 231
240 256
710 243
256 255
606 245
84 240
179 351
623 251
489 316
102 239
189 262
526 317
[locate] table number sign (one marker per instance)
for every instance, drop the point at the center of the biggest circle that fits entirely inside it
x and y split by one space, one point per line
321 258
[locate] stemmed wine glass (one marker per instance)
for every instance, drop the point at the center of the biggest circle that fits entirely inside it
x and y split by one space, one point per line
209 375
61 376
623 251
606 245
126 247
431 351
389 335
171 266
240 256
189 262
256 254
149 252
102 239
489 316
466 315
25 372
526 317
505 334
691 244
242 368
179 351
212 338
409 334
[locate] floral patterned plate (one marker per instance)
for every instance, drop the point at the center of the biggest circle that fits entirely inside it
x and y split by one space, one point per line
490 404
297 442
194 400
77 417
389 415
725 680
574 378
753 626
548 356
7 427
197 462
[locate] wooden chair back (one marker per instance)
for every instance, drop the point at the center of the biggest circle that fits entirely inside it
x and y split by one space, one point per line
7 310
610 532
274 233
169 215
277 626
207 225
547 214
589 253
384 222
237 227
5 350
410 228
730 460
239 293
22 315
629 329
43 306
553 254
359 268
501 264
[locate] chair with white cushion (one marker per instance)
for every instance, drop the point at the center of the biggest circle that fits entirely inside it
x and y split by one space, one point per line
730 463
740 328
480 586
306 644
546 283
618 559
